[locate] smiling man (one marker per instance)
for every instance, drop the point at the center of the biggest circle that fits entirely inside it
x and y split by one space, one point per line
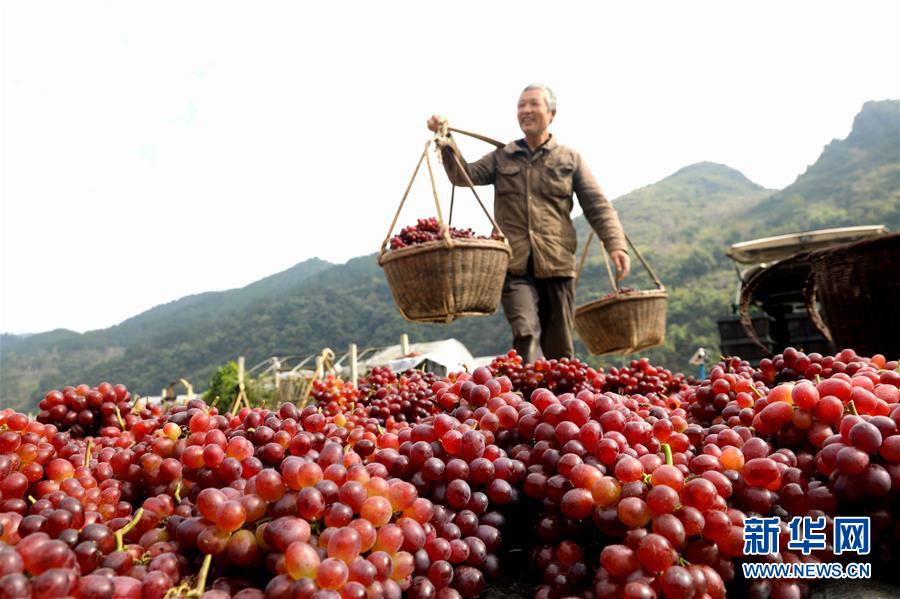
534 180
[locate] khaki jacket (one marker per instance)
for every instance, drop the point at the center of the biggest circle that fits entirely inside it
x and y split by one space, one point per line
533 203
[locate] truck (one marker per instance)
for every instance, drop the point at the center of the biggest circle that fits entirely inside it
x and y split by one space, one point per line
771 277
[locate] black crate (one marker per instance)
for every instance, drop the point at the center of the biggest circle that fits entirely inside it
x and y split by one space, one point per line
731 329
800 326
746 349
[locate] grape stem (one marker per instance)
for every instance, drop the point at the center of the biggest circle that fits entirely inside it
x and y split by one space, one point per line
119 418
758 392
87 453
667 451
852 407
178 492
204 572
120 534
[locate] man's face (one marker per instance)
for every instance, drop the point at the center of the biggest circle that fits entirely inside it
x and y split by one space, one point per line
533 114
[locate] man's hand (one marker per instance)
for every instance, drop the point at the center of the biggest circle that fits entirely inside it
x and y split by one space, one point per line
622 262
436 122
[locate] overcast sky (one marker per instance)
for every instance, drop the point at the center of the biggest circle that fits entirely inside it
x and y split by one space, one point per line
152 150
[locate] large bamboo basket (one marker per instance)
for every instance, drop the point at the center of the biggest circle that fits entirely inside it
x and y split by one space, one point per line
796 263
627 322
859 287
438 282
441 281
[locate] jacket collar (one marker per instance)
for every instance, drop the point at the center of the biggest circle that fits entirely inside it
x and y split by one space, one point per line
514 147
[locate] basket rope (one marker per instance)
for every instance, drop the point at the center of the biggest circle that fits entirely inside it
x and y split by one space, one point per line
442 138
613 281
748 290
811 301
444 227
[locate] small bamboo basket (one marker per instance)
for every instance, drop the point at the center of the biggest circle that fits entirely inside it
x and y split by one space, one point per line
441 281
625 323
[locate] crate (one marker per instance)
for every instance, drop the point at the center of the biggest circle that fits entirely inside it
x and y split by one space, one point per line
745 348
800 325
731 329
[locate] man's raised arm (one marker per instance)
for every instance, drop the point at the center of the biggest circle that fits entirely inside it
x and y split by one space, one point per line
601 215
481 172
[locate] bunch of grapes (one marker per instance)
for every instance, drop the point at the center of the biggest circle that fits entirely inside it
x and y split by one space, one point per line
793 364
619 292
642 378
84 410
391 397
428 229
560 376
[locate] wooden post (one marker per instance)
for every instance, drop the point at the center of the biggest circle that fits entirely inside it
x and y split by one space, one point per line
189 387
242 392
354 372
404 344
320 367
276 374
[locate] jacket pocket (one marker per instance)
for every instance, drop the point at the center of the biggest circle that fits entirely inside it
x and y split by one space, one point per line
509 180
557 179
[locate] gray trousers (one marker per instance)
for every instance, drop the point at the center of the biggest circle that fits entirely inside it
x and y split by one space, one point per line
541 313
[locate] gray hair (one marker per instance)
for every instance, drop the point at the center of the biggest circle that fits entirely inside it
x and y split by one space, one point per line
549 96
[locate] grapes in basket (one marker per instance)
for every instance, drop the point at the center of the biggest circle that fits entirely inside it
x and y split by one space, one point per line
428 229
620 291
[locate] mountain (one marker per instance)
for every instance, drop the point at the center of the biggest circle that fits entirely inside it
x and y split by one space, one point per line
854 181
681 225
37 362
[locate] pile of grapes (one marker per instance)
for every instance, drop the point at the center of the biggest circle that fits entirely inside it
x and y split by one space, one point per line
428 229
629 483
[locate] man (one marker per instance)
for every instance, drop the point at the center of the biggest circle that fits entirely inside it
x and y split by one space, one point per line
534 179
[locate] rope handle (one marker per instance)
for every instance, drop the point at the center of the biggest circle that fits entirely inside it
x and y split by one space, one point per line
747 292
445 229
471 185
387 239
442 138
809 298
442 134
612 279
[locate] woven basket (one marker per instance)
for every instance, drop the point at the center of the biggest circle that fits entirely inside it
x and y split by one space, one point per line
796 262
859 287
627 322
440 281
624 324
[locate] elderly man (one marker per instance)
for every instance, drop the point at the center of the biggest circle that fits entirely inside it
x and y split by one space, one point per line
534 179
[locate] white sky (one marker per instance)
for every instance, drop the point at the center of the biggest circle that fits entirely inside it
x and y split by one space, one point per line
152 150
